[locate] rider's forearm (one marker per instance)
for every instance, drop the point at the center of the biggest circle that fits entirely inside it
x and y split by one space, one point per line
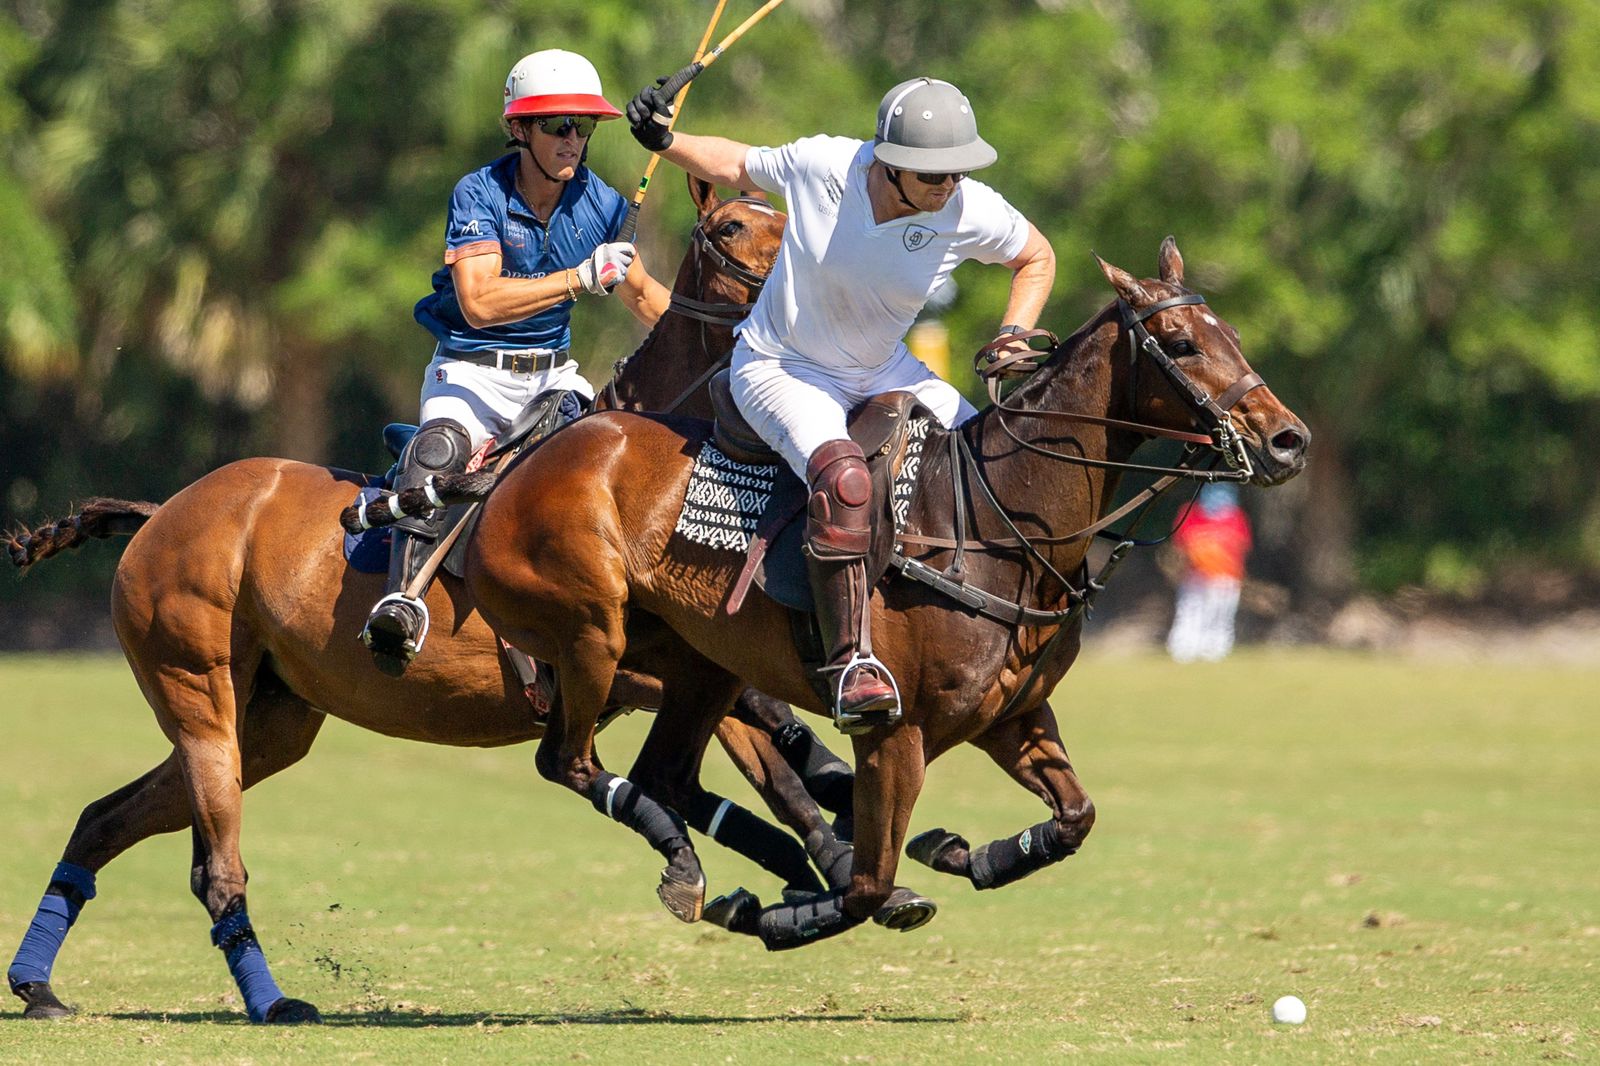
1034 273
497 301
715 159
647 300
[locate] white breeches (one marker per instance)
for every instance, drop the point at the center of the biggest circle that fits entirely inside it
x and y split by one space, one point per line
1202 628
797 407
485 399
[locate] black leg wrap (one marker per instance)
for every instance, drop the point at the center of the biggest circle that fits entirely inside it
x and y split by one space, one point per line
762 843
832 856
1001 862
620 799
827 777
792 925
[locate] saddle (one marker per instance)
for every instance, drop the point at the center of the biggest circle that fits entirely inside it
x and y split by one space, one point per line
774 562
369 552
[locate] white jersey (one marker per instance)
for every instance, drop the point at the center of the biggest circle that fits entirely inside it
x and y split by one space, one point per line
845 289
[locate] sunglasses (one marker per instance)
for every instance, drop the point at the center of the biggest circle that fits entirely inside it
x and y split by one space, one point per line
937 179
558 125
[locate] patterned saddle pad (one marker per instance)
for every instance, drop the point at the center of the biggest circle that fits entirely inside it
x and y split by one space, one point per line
726 500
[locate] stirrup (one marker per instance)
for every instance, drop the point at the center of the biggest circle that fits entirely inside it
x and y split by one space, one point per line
855 721
411 645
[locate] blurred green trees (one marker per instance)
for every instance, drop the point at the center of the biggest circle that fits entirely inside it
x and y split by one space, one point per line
215 216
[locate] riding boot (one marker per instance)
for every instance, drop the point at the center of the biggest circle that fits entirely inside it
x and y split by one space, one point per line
398 625
838 536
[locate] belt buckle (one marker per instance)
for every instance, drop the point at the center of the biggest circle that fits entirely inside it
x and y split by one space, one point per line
525 361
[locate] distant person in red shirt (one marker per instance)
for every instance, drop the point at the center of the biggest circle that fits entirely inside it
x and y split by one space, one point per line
1213 541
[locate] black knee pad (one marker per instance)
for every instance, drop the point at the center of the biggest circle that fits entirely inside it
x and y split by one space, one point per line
442 446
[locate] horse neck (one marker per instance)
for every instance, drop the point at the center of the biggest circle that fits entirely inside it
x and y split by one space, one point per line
678 348
1046 496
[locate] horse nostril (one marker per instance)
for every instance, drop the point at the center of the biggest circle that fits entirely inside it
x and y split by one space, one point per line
1289 443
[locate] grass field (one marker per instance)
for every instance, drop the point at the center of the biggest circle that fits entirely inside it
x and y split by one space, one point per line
1409 848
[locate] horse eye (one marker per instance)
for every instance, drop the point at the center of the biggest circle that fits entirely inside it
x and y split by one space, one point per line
1183 347
728 229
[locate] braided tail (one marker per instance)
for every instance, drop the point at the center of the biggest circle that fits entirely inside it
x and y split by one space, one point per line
442 490
98 518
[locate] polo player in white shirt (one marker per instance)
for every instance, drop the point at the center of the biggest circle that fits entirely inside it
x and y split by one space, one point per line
874 229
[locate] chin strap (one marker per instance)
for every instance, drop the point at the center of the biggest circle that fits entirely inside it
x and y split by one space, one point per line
894 179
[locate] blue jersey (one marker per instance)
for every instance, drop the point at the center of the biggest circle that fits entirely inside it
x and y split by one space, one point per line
488 213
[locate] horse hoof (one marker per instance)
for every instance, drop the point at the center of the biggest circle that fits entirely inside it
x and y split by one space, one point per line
685 899
928 848
293 1012
40 1001
905 911
736 912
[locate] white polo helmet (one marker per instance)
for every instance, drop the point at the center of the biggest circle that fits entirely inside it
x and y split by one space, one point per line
926 125
555 82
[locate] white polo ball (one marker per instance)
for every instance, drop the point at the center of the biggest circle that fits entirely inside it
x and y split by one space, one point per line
1289 1010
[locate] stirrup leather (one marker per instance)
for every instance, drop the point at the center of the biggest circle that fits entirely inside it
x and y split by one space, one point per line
412 645
852 722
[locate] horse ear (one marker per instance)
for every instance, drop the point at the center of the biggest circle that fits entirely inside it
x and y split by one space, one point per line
1171 262
704 195
1126 284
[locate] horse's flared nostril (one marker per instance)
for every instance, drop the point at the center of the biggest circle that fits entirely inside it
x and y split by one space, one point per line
1289 445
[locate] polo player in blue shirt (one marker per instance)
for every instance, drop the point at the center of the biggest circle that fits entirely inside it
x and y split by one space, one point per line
526 235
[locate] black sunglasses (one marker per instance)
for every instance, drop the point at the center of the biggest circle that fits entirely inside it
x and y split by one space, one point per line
558 125
937 179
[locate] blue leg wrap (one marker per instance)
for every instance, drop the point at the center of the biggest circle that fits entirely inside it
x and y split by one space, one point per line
70 888
247 964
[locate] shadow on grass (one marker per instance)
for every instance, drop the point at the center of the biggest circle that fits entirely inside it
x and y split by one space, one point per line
622 1016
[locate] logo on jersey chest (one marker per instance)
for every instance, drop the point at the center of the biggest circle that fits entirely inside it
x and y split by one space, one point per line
917 237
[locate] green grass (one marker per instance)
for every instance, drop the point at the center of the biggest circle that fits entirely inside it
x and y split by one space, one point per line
1409 848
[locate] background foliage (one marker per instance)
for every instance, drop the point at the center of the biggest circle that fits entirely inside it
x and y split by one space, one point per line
215 217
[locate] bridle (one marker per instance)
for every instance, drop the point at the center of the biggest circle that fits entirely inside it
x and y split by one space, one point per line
1221 439
1213 415
707 313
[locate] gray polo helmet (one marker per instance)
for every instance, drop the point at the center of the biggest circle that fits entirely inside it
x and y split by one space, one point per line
926 125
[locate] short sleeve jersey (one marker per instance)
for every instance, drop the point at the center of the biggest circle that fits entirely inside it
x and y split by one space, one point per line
488 213
846 289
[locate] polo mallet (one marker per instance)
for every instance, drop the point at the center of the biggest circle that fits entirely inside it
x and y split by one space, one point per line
679 82
630 225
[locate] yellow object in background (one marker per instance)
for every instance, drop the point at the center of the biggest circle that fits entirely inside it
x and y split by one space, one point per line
930 342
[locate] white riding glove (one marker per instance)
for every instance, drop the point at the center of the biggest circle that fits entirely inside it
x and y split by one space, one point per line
605 269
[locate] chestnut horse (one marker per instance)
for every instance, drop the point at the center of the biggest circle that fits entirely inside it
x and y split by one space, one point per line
577 540
238 615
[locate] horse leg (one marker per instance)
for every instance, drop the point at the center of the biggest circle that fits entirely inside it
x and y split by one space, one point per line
278 732
1028 748
753 751
828 778
566 755
889 771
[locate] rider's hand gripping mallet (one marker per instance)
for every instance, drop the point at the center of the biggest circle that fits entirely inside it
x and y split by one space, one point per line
630 225
678 84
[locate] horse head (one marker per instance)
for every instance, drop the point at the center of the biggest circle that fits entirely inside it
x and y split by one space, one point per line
732 250
735 245
1184 372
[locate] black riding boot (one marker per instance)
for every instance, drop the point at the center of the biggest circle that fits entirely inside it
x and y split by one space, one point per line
398 625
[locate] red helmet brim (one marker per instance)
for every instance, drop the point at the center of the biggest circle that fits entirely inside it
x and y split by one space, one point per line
561 104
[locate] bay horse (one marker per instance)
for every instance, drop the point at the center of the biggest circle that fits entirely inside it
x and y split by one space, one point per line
237 613
578 540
